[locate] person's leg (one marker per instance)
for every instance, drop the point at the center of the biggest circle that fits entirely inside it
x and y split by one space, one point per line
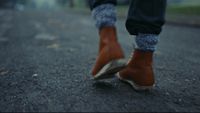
146 16
95 3
104 13
145 20
109 60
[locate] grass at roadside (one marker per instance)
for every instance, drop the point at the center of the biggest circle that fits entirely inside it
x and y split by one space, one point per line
187 10
171 9
122 10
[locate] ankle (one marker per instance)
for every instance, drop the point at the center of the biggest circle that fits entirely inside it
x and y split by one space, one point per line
108 35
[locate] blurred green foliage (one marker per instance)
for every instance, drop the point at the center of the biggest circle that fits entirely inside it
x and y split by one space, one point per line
171 9
189 10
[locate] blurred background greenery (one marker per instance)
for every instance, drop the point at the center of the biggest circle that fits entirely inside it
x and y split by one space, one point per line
191 7
178 11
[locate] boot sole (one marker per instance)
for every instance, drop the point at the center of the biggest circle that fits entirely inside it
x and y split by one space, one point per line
110 69
134 85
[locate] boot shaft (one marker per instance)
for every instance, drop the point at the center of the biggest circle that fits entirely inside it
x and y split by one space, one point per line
141 59
107 35
139 70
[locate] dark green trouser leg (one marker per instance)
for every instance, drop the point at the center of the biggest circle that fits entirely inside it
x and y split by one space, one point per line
146 16
95 3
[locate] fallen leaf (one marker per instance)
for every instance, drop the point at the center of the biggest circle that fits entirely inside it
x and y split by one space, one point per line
35 75
45 36
54 46
3 72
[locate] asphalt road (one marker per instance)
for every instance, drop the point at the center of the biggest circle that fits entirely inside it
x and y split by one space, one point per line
46 57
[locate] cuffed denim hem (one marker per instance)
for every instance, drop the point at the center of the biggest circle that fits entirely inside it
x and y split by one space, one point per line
104 15
146 42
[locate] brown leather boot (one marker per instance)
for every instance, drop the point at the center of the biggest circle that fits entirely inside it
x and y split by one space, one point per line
139 71
110 57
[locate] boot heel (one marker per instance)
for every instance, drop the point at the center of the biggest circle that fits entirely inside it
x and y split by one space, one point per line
134 85
110 69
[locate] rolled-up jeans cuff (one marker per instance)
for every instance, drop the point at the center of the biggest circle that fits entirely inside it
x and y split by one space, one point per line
104 15
146 42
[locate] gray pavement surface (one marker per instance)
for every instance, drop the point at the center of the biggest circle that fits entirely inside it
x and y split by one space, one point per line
46 57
